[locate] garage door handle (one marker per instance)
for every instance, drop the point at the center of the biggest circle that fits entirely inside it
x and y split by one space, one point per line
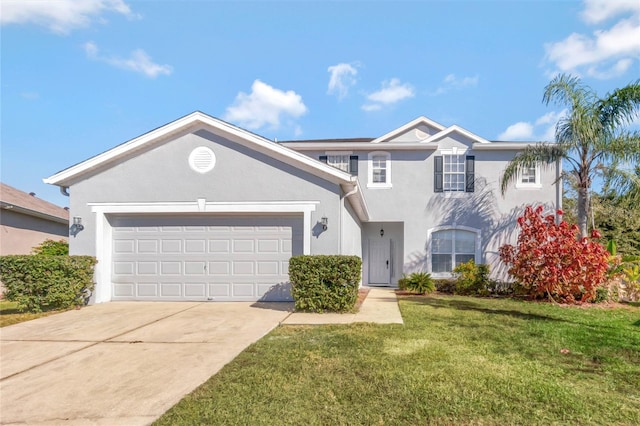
387 264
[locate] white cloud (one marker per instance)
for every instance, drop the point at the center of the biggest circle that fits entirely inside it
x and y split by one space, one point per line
607 52
139 61
597 11
519 131
451 82
60 16
265 105
390 92
542 129
342 77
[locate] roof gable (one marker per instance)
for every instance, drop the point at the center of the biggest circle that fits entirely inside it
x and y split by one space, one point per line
192 122
456 130
422 127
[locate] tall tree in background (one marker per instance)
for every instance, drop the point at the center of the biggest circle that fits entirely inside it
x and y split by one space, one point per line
593 138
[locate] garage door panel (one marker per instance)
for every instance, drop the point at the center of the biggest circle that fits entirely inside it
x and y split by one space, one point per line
171 246
231 258
124 290
147 290
268 268
171 289
147 268
148 246
219 246
195 246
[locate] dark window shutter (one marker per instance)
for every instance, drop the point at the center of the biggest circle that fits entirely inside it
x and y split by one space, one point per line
470 173
437 177
323 158
353 165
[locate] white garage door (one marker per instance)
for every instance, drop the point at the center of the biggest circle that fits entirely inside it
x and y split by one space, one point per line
203 257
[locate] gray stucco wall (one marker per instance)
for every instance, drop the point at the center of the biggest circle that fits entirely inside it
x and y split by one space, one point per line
413 202
162 174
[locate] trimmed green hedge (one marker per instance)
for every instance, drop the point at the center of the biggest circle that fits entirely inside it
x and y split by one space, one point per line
39 283
325 283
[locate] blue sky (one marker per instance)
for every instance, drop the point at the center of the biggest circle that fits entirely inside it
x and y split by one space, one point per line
82 76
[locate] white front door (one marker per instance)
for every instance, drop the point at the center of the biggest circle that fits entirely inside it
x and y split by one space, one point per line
379 261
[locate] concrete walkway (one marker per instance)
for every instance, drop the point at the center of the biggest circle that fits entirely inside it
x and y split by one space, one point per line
380 306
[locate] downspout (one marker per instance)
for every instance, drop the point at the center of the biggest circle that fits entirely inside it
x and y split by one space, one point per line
64 190
348 194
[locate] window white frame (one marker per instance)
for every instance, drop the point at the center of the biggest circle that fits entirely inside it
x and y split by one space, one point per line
524 179
456 169
372 165
339 159
430 232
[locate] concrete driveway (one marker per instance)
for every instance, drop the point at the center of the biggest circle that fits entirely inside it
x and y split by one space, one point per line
121 363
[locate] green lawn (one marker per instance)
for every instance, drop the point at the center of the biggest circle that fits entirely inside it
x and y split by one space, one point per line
457 360
9 314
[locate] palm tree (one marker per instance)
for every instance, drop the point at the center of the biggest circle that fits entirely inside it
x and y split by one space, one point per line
591 139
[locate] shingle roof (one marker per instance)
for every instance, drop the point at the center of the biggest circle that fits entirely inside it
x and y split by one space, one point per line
11 197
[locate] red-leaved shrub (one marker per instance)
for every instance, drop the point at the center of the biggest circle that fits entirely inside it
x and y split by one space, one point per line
550 260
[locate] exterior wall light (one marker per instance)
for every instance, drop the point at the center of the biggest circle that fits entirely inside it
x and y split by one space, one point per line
381 232
324 222
76 227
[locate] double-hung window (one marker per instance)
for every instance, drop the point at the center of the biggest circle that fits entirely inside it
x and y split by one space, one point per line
454 171
379 170
344 161
529 178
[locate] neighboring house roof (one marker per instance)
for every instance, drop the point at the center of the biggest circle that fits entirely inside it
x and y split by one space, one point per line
199 120
15 200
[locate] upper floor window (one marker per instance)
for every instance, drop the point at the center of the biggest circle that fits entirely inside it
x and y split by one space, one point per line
451 247
454 171
529 178
344 161
379 170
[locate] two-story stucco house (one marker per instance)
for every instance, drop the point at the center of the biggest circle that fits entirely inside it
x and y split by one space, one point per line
202 210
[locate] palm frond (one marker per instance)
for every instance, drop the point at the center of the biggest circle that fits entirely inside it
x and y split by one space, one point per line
620 107
540 154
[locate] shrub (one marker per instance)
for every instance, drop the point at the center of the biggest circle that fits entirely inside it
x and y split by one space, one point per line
39 283
550 260
418 282
325 283
52 248
445 285
471 278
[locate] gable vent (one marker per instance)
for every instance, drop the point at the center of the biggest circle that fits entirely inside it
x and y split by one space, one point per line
202 159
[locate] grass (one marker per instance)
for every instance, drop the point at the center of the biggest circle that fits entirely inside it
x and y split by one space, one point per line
457 360
9 314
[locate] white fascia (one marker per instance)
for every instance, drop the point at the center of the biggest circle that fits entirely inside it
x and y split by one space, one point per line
200 120
456 129
104 230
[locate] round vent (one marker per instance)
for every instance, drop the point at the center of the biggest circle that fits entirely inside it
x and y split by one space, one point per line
421 135
202 159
